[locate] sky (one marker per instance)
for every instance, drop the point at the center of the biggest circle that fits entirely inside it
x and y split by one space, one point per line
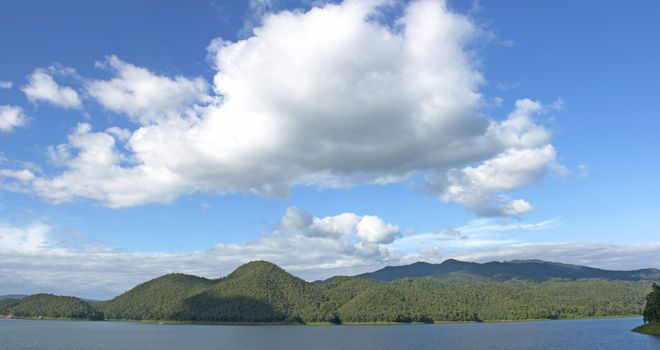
329 137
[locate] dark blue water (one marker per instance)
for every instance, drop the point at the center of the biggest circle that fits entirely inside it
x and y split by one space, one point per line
578 334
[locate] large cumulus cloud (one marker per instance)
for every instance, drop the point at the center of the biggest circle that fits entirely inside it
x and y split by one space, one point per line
339 95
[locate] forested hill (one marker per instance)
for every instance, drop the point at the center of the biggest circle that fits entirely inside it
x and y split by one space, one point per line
535 270
261 292
50 306
255 292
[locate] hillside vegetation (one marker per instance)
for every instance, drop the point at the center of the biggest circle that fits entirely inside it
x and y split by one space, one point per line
261 292
49 305
159 299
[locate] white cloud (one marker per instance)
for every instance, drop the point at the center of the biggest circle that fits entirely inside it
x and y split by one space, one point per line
29 239
527 157
143 96
24 175
95 172
329 97
119 133
6 84
367 229
11 117
372 229
42 87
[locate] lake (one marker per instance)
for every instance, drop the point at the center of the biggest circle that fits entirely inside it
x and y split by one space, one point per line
569 334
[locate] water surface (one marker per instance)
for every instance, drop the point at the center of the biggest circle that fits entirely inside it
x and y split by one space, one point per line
571 334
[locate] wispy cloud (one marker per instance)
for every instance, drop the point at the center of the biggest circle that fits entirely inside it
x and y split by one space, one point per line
595 254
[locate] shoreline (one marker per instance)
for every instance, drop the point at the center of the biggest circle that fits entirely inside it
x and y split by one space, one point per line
650 329
656 327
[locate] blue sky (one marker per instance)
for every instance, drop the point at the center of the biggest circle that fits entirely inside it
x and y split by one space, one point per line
140 138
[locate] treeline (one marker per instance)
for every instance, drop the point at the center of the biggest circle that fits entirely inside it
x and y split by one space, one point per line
50 306
260 292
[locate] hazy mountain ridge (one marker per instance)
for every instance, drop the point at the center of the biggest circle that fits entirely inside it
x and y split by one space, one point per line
13 296
535 270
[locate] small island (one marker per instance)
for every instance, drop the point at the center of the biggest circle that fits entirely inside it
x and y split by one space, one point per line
651 313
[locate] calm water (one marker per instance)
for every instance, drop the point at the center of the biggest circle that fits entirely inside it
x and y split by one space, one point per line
579 334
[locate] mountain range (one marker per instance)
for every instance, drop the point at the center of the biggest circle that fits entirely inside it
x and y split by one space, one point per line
261 292
535 270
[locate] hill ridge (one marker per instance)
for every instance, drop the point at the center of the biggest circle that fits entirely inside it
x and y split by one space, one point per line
531 269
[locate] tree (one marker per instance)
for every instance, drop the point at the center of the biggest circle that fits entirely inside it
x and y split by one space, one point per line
652 310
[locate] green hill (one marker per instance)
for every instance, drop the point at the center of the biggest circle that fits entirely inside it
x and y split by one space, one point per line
49 305
159 299
255 292
259 292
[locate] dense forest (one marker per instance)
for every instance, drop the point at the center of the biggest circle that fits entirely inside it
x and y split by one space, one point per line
52 306
263 292
260 292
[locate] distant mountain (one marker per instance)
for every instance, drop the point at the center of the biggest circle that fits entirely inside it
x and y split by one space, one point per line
13 296
535 270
